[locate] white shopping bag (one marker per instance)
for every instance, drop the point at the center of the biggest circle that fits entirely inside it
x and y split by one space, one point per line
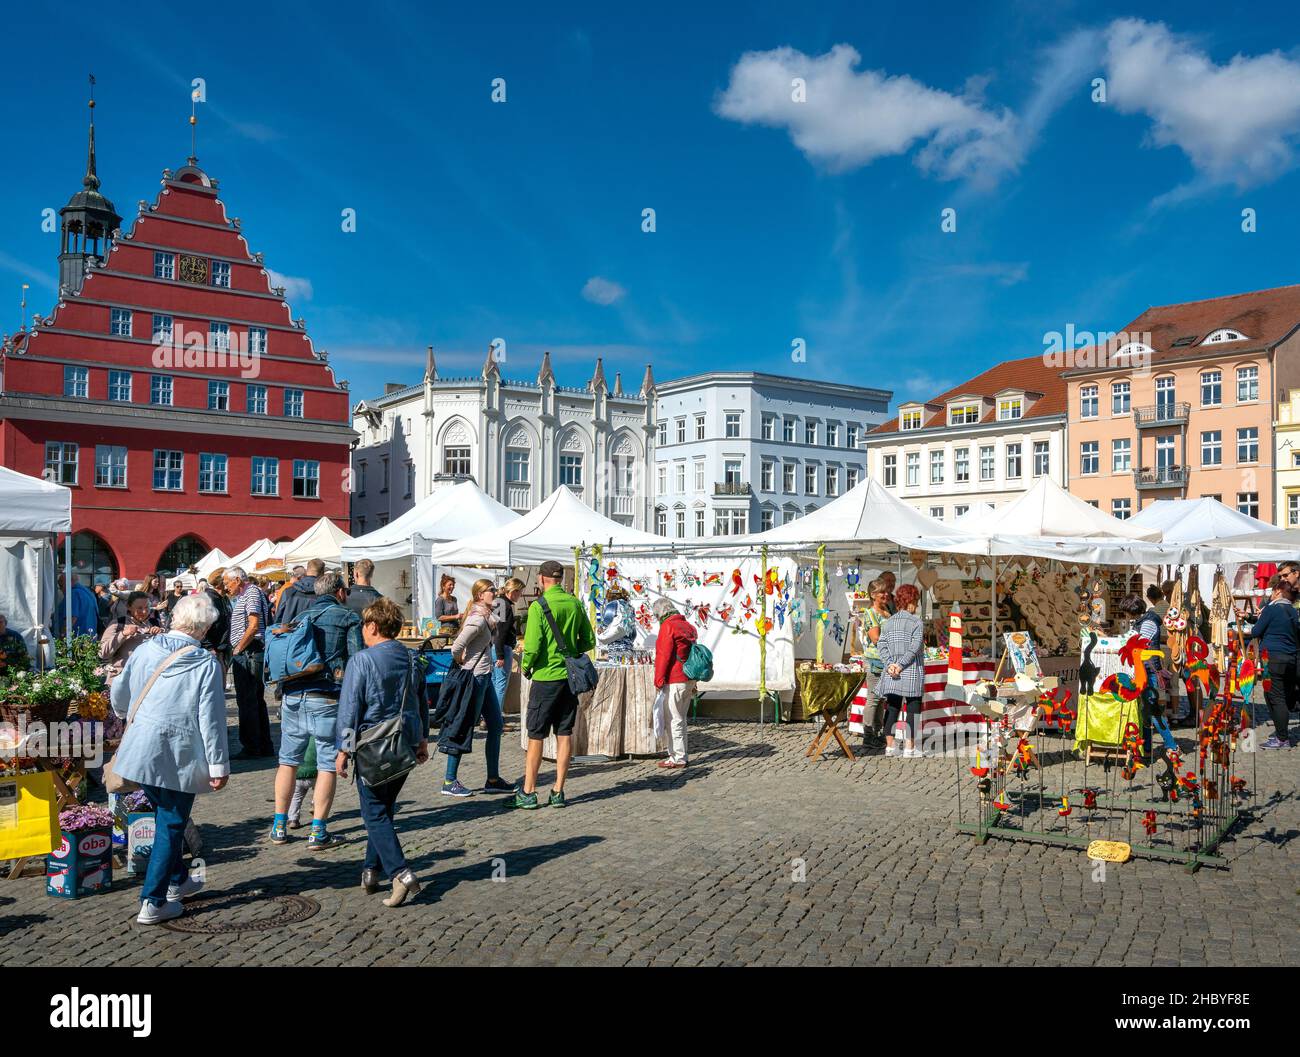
661 714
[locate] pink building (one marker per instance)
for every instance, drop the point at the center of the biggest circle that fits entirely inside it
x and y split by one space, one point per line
1181 405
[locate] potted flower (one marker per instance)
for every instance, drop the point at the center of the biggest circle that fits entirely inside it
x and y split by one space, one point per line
83 863
45 696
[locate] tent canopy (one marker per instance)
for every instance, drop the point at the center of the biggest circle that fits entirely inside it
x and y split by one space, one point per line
1047 509
548 532
31 507
324 540
214 559
257 551
1198 520
456 512
868 512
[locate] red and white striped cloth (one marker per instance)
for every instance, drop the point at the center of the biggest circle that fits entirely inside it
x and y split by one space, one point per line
936 706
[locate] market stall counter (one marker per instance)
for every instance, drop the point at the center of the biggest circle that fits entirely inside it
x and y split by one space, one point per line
615 719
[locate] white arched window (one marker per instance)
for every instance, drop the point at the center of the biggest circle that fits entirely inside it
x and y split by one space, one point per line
1219 337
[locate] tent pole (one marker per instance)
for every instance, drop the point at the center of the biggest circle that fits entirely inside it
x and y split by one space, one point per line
821 599
762 639
993 612
67 585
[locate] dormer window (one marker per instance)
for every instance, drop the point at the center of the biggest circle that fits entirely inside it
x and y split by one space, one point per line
1011 407
1219 337
910 419
963 414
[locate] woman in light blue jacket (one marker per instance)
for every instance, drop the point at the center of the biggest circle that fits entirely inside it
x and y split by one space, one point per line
175 745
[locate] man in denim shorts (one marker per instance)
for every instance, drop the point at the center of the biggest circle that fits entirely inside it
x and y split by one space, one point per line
310 710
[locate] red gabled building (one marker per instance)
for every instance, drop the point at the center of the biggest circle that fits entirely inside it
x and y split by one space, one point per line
170 388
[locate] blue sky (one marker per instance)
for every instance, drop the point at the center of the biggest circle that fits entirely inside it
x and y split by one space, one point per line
775 220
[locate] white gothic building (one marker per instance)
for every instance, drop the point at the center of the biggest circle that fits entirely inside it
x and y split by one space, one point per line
517 440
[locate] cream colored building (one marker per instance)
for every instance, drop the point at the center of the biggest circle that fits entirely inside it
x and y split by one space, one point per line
1287 459
984 441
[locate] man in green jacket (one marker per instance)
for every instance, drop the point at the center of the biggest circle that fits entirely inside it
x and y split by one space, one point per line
551 704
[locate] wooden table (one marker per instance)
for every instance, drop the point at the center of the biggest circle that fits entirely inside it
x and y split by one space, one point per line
829 693
615 719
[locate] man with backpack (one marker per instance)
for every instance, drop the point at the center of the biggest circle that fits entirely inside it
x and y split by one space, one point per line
248 621
552 704
308 657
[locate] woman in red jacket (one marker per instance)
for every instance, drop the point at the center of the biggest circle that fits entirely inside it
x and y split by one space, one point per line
675 638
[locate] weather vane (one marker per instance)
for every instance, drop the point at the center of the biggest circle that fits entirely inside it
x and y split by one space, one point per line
194 121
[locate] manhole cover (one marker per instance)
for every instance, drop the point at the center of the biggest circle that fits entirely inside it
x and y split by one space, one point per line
255 912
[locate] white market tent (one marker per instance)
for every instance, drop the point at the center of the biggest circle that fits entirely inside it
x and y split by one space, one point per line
324 540
456 512
549 532
1047 522
214 559
32 511
1047 509
972 520
1198 521
257 551
866 513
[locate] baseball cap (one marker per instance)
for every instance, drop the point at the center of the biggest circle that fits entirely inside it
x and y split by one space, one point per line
552 569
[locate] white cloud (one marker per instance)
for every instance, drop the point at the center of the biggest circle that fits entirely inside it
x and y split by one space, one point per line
1236 122
602 291
295 288
850 117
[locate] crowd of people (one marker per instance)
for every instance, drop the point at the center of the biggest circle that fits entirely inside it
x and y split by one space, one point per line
168 667
177 648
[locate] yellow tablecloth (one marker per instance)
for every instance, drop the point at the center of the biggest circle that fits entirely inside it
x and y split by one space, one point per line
821 691
1102 719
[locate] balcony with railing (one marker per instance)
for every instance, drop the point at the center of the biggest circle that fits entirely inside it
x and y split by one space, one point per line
1163 414
624 505
1161 477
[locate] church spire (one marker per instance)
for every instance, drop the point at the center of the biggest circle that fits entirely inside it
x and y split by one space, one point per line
91 180
597 383
546 376
490 364
648 382
618 383
430 368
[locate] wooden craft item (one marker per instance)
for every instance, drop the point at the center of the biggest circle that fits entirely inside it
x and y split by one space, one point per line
1109 851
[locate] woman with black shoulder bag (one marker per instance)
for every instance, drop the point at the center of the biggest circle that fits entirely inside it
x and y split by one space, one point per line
383 723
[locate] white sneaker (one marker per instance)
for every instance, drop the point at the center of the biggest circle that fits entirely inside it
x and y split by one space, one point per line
892 750
152 915
913 754
191 886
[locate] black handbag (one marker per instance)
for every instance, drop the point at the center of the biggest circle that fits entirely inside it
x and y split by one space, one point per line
382 752
581 674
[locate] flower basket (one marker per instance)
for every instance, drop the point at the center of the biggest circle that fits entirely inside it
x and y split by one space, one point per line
45 696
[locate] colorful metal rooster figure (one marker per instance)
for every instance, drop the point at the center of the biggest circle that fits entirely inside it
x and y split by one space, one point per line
1149 823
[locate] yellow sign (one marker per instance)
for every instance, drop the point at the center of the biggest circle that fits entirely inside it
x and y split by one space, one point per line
1109 851
29 821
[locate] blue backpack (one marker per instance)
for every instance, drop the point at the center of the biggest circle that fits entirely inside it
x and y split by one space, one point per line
699 663
293 651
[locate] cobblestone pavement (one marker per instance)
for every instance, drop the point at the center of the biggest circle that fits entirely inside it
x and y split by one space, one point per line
695 867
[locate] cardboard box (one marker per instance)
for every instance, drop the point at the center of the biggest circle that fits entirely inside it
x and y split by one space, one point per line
81 865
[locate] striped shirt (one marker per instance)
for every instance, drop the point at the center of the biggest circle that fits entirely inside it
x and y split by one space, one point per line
251 602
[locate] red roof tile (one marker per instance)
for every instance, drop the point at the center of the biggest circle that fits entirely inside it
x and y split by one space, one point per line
1265 317
1030 374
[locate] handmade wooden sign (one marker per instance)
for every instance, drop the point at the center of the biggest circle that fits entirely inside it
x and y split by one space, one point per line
1109 851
